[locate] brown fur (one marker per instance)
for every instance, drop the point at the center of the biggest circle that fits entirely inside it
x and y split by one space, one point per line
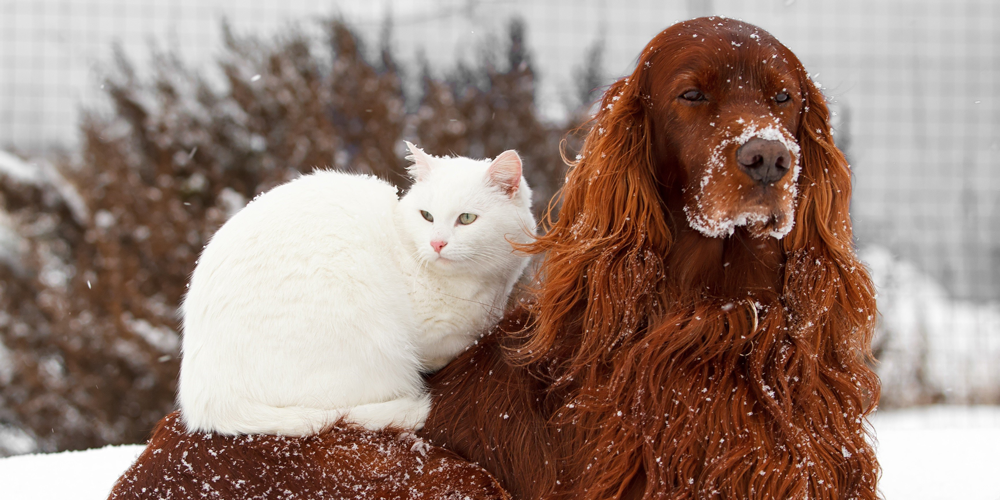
654 362
345 462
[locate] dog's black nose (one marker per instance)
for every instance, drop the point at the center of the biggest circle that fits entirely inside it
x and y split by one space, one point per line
765 161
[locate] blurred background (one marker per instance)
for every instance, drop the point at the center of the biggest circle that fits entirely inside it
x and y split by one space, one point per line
130 130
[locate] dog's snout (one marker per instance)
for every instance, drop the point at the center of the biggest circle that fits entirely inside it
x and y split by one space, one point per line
765 161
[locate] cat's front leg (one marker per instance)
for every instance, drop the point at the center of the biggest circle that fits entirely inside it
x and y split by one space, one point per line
435 354
407 412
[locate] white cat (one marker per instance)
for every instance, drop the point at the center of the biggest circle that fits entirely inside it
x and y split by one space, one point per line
327 296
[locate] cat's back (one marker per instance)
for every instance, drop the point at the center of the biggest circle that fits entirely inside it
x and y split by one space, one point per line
286 295
320 208
311 235
325 220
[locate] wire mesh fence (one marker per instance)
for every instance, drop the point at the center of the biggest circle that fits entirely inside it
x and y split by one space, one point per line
914 85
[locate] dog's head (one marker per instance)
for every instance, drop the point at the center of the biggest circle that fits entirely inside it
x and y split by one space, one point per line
725 102
725 125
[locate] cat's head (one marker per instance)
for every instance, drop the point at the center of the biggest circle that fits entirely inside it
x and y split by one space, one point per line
462 213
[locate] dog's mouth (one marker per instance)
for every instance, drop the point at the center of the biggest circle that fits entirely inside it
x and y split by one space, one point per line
761 221
776 224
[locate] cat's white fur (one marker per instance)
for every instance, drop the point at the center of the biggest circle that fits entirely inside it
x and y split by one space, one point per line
324 297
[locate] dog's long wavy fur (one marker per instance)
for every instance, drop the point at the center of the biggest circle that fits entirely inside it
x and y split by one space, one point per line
641 366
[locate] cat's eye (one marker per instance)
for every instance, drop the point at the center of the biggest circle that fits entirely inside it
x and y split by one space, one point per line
466 219
427 216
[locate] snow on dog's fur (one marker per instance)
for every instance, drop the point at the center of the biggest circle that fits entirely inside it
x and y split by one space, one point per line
688 338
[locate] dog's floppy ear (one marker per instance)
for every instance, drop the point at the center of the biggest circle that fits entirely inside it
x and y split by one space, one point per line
824 279
611 182
610 228
822 212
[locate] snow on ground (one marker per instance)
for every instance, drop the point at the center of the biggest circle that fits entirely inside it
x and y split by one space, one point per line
939 453
931 453
79 475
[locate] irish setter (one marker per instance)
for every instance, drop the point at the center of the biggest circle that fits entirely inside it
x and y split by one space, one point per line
701 327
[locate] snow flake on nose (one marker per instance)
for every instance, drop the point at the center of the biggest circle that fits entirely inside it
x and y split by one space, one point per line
771 132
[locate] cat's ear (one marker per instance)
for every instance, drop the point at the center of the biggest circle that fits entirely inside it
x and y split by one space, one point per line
505 172
421 162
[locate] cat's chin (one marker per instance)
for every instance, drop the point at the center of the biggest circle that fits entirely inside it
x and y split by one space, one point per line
444 263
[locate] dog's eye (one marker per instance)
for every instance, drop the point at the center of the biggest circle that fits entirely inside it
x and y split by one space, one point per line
693 95
782 97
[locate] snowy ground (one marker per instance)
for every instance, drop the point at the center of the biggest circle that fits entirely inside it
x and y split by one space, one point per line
936 453
80 475
940 453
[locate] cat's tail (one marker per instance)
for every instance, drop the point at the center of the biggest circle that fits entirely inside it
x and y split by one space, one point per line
407 412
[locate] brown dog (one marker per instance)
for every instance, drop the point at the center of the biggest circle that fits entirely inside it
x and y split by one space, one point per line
675 346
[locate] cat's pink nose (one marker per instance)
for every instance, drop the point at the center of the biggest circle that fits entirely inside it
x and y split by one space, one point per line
438 245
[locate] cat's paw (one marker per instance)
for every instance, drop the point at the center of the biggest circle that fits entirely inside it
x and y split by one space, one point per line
406 413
